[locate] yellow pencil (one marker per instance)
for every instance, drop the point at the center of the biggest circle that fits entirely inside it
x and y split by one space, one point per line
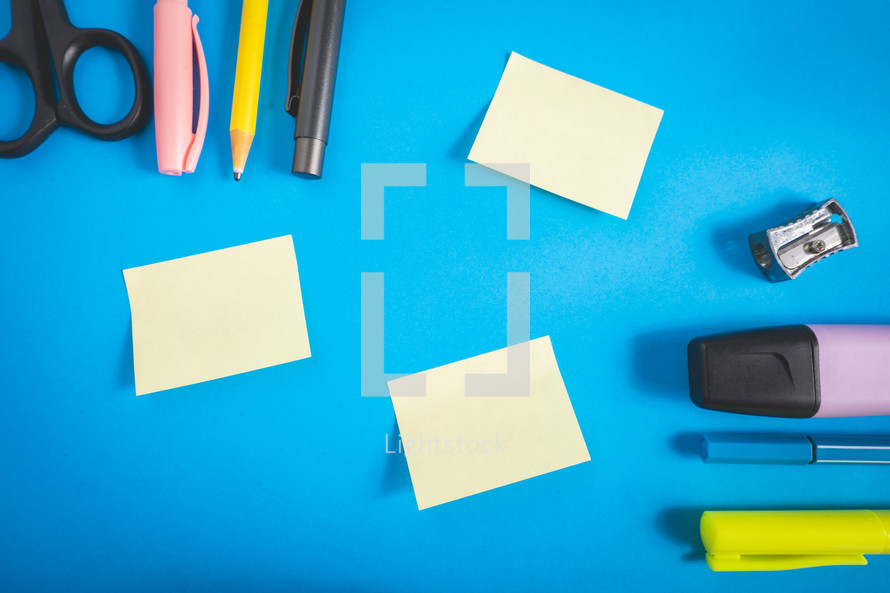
247 81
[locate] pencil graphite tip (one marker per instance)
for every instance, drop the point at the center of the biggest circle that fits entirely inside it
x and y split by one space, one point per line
241 141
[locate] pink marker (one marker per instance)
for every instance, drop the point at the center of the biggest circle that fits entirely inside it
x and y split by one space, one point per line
178 138
796 371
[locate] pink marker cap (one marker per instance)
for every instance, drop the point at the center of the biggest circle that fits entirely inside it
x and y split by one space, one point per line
176 42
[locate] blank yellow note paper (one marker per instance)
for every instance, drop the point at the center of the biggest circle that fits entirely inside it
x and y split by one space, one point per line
485 422
216 314
579 140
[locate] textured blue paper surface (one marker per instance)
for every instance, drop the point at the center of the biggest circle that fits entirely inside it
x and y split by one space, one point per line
279 479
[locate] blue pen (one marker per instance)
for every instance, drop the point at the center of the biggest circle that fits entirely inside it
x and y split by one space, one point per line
783 449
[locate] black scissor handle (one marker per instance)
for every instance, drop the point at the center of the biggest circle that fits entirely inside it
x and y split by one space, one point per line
22 49
67 43
65 56
42 39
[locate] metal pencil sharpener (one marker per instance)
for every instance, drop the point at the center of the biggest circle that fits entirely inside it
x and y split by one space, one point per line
783 252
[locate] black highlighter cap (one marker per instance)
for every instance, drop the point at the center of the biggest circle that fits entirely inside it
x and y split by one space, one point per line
765 372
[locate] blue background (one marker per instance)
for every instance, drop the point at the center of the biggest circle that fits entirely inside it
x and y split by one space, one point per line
278 479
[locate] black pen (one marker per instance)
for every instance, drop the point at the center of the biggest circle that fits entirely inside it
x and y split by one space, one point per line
318 26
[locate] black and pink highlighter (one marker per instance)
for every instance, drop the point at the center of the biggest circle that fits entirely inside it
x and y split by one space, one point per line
794 371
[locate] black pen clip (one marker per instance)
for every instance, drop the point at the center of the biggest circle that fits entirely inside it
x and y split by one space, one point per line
295 63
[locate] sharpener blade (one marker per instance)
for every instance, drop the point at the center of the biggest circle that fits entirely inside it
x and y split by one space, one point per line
783 252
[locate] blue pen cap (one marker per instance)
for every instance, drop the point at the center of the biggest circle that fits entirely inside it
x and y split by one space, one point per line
775 449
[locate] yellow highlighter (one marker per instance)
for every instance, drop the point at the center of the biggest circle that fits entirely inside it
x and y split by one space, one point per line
783 540
247 81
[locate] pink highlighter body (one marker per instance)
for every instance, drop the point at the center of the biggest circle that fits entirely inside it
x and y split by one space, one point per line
176 44
854 370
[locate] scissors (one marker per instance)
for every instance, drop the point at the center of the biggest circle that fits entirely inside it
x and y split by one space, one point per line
41 40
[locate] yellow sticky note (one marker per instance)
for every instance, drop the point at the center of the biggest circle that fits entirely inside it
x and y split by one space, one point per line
579 140
216 314
485 422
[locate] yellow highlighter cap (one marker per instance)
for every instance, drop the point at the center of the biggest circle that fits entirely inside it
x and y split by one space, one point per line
782 540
